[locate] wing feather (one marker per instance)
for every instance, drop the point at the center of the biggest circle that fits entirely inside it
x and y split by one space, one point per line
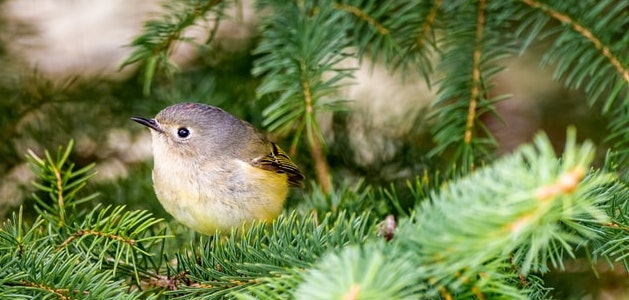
278 161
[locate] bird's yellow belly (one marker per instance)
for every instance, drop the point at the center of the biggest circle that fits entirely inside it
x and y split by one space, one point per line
222 199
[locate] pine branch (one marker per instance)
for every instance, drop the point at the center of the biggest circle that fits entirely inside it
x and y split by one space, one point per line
109 241
529 206
116 237
153 48
484 236
619 135
61 183
277 287
302 48
32 268
365 272
476 82
400 34
474 45
45 274
613 244
480 236
590 50
265 252
425 43
368 30
15 236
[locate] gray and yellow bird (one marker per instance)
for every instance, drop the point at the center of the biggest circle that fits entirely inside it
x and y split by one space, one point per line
213 171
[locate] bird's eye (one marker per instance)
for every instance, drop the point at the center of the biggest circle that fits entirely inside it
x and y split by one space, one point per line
183 132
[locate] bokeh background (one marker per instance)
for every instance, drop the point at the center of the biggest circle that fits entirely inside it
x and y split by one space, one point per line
60 79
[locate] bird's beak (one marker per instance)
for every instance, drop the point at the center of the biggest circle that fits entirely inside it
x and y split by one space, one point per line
150 123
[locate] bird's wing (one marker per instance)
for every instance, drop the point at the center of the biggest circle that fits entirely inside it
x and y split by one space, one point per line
278 161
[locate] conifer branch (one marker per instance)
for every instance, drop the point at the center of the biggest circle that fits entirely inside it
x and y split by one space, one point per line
316 149
444 293
155 45
476 82
60 182
297 73
61 293
477 292
566 184
60 201
118 237
471 59
275 252
84 232
586 33
619 135
428 24
552 192
363 16
485 235
353 292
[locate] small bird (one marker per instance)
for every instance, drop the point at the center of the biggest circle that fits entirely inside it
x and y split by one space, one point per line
213 171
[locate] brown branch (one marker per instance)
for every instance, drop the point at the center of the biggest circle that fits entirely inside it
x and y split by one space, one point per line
471 114
353 292
60 198
316 149
61 293
444 293
566 184
442 290
521 277
478 293
84 232
321 164
616 226
432 16
363 16
563 18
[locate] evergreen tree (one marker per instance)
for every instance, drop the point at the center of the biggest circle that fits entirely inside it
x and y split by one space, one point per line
471 226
